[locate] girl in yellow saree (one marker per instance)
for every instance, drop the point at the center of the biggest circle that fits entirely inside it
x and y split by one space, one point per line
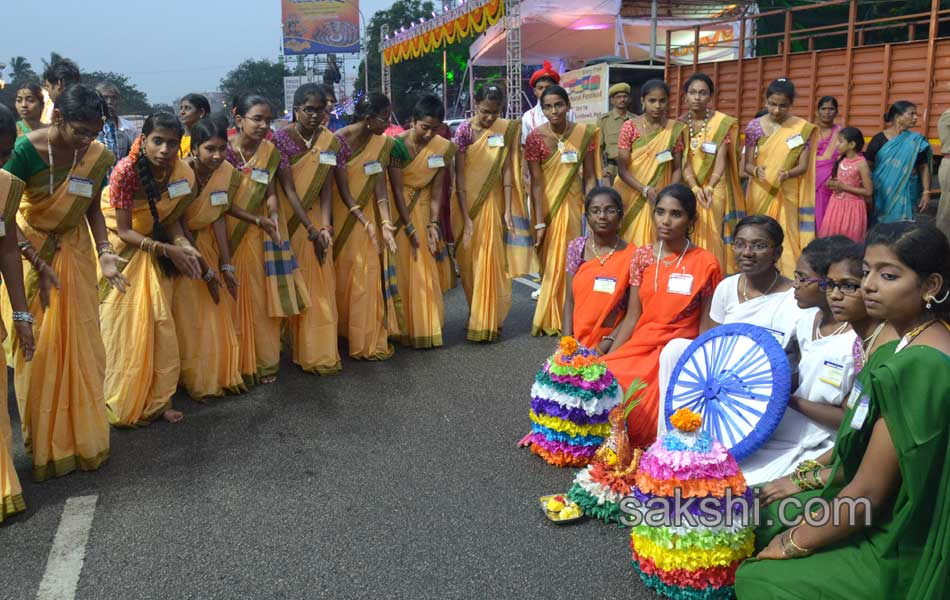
360 275
780 161
11 188
148 192
711 169
312 151
555 153
416 270
650 153
207 342
490 201
62 409
271 286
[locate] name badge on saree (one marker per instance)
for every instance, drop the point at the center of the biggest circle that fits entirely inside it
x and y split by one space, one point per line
178 188
373 167
260 176
832 374
3 228
436 161
496 141
860 413
856 390
219 198
664 157
710 147
569 157
795 141
79 186
680 283
605 285
328 158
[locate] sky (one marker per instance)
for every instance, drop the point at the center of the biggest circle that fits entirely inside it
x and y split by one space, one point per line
167 48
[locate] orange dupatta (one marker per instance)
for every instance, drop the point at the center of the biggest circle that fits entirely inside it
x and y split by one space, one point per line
596 313
662 320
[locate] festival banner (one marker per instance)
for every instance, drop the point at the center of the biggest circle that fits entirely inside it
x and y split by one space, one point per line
588 88
320 26
467 19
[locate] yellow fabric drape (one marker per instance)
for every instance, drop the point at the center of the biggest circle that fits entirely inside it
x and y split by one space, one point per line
207 340
637 225
791 203
715 225
62 410
361 306
418 280
483 263
138 329
564 194
314 331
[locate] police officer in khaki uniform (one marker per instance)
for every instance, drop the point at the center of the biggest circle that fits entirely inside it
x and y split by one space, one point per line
610 124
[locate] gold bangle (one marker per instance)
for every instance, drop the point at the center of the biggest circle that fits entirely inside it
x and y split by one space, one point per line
799 551
386 222
182 242
354 208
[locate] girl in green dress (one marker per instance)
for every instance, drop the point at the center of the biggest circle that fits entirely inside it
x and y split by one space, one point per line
892 452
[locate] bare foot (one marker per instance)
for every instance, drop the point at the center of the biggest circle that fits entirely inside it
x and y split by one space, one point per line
173 416
268 379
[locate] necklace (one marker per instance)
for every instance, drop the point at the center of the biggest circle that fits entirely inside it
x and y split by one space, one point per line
561 146
652 126
49 149
244 162
839 330
199 180
910 335
603 261
868 342
307 143
745 287
659 257
697 137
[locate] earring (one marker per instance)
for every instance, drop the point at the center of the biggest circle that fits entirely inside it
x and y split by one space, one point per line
929 305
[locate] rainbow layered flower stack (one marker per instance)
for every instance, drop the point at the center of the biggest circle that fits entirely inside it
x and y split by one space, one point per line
571 398
691 560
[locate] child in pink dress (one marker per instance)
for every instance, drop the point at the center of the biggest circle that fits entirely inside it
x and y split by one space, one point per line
851 189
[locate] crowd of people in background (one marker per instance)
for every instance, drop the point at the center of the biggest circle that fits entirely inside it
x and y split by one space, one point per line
188 254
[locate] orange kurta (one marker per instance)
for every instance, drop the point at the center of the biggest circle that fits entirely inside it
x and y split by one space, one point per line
666 315
596 313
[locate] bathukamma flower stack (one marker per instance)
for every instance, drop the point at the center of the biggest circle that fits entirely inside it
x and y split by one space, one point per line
688 559
570 401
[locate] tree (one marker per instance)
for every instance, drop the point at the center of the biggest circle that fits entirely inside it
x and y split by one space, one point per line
21 70
133 100
262 77
412 78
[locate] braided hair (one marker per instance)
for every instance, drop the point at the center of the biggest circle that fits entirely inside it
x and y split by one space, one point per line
152 190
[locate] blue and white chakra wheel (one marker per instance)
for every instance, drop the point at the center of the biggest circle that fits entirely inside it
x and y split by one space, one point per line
738 378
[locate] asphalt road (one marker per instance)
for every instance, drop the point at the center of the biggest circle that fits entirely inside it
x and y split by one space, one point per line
398 479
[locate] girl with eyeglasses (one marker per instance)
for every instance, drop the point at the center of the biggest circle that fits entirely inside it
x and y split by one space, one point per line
311 153
598 273
891 454
671 289
780 161
491 220
563 161
61 227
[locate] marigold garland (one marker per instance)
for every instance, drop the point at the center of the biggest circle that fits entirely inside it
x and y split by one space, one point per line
429 40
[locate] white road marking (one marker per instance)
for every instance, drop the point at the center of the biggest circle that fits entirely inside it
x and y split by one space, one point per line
528 282
64 564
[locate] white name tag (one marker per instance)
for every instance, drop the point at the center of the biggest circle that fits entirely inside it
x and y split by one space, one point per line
710 147
260 176
795 141
569 157
373 167
3 228
328 158
436 161
832 373
664 157
219 198
860 413
605 285
496 141
680 283
179 188
80 187
856 390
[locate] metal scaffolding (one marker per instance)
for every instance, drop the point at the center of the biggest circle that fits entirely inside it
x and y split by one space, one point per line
513 57
385 79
